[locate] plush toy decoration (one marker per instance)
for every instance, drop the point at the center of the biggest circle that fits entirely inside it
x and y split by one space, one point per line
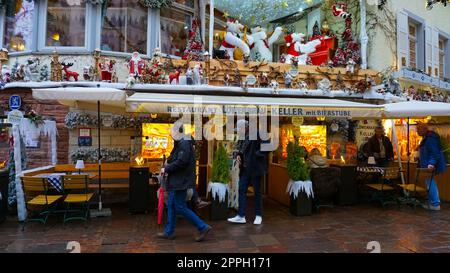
232 39
260 48
297 49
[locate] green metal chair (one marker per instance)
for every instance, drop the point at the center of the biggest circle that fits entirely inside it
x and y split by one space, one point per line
384 192
414 191
36 196
76 189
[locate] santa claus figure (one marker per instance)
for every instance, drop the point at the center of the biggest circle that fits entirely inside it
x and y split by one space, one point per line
107 69
136 65
295 48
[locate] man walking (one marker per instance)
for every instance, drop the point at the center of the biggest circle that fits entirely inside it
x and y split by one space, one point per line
253 165
180 171
431 156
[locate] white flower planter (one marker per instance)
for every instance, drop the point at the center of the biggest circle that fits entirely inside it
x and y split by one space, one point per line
294 187
218 190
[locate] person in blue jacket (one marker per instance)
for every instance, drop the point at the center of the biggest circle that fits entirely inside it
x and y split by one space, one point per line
431 156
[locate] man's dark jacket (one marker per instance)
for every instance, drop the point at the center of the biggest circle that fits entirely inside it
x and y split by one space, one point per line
374 146
253 159
181 166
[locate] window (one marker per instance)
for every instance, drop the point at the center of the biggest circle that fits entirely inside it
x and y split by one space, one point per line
66 23
18 32
442 67
412 46
175 25
124 27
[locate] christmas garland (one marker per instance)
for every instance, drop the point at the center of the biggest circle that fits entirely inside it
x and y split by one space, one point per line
79 119
90 155
95 2
156 4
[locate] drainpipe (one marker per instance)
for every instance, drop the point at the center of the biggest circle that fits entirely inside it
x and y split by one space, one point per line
363 36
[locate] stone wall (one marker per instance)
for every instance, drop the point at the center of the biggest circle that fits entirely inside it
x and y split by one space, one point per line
37 157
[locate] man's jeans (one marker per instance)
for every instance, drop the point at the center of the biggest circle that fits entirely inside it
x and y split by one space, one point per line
244 180
433 193
177 205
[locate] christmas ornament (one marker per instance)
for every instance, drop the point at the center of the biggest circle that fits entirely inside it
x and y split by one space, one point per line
55 68
232 40
198 74
287 80
261 44
88 73
189 76
340 10
67 73
297 49
350 68
349 48
6 74
274 85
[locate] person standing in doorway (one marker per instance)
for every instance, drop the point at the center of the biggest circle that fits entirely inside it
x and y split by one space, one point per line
253 166
380 147
431 156
180 172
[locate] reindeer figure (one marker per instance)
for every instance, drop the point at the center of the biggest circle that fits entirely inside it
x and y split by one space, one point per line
69 74
175 76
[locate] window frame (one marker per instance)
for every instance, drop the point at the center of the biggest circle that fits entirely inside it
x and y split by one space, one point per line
98 36
33 45
446 38
414 40
419 22
88 36
179 7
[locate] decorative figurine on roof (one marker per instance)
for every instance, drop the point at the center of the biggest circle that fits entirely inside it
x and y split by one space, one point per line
297 49
324 85
175 76
261 44
6 74
19 74
194 48
317 33
32 69
136 65
198 74
274 85
350 68
55 68
107 68
189 76
44 75
232 39
263 80
88 73
349 48
68 74
287 80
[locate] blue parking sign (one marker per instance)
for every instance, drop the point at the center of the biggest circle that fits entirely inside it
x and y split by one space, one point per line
15 101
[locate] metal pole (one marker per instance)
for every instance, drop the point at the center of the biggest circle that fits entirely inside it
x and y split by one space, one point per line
407 148
99 159
211 28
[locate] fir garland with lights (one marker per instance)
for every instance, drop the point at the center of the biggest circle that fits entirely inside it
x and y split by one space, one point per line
156 4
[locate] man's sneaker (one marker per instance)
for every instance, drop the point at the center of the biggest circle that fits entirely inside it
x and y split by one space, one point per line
163 235
258 220
237 220
202 204
430 207
202 235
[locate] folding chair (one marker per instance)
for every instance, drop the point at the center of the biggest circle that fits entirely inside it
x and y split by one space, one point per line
385 192
75 188
36 195
413 190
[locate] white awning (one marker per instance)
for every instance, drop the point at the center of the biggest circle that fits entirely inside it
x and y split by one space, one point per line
416 109
182 103
71 95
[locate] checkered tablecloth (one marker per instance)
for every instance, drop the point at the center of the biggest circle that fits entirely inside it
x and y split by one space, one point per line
370 170
54 179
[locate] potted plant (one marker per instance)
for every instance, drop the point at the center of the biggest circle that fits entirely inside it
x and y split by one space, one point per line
219 184
300 185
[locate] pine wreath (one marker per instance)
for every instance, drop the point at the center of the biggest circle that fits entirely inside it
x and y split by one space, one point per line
156 4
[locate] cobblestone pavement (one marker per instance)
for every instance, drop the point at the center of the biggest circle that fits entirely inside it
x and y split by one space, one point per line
338 229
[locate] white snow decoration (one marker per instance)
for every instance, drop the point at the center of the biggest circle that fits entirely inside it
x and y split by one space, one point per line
30 132
294 187
21 209
218 190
